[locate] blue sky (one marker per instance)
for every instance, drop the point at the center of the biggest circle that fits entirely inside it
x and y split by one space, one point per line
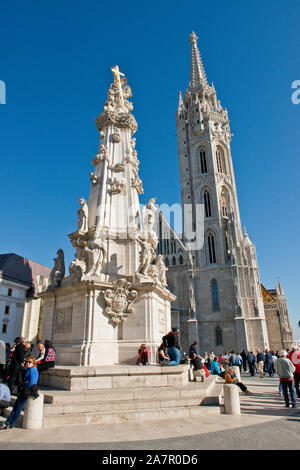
55 61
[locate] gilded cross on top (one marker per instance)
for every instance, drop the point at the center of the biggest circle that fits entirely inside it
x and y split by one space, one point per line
116 72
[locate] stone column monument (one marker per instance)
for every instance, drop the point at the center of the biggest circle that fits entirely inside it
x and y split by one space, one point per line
115 297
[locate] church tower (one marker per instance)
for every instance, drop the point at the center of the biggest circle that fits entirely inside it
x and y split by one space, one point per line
229 306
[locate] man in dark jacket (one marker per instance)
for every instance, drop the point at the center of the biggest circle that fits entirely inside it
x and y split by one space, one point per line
193 350
260 359
251 362
269 363
16 363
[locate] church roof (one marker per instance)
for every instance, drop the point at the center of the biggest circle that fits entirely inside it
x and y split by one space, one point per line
266 295
21 270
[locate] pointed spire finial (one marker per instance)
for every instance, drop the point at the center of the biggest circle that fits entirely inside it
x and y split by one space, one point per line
198 75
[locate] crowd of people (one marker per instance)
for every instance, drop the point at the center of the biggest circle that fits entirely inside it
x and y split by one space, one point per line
19 374
286 364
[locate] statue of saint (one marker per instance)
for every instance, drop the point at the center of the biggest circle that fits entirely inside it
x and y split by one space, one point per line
161 269
82 220
95 255
58 271
147 254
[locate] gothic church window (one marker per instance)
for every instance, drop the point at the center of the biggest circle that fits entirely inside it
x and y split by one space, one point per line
174 261
215 295
167 261
224 204
211 249
202 161
221 168
219 340
207 204
180 259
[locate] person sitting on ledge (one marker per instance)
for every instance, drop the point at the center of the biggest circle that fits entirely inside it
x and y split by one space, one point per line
231 378
198 370
143 356
216 368
46 357
163 357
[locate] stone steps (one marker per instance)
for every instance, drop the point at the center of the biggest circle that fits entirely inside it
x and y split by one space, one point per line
144 404
128 415
129 405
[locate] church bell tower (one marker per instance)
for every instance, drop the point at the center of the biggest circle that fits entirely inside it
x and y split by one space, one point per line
229 306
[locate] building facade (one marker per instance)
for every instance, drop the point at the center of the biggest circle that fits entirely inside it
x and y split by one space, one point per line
216 280
21 311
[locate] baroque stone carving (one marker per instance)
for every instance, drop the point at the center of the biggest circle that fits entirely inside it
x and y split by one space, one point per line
58 271
116 183
161 270
95 256
147 255
102 155
82 220
93 178
119 300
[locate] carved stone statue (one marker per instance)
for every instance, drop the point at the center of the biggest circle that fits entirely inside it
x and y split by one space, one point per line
147 254
119 300
148 215
82 220
78 267
95 255
161 269
58 271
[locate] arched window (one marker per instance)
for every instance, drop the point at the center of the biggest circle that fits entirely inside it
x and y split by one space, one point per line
211 249
224 204
166 261
215 295
4 326
180 259
207 204
174 261
219 340
221 167
202 161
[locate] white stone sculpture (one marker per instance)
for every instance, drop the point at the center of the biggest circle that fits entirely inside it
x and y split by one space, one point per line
95 255
161 269
58 271
93 178
119 300
147 254
148 215
82 220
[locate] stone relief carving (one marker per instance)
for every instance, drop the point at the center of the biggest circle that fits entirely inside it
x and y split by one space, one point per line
63 323
102 155
116 137
136 182
117 183
77 267
93 178
58 271
82 220
119 300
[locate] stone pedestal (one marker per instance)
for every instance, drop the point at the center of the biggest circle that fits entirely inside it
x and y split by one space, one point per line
75 319
33 413
231 399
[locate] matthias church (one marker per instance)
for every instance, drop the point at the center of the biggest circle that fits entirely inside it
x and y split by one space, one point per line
220 301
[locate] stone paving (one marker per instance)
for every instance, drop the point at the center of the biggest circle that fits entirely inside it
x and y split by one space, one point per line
264 424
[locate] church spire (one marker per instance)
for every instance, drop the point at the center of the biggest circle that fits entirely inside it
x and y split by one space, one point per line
198 76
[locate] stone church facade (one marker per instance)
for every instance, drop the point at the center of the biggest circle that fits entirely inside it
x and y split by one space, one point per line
219 300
